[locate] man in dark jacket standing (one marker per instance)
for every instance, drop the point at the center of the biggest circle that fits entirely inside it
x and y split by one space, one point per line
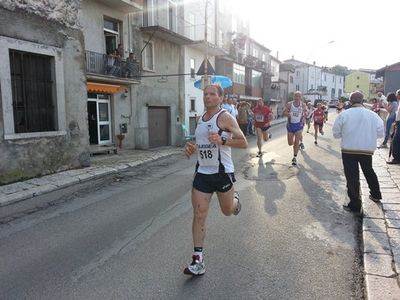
359 128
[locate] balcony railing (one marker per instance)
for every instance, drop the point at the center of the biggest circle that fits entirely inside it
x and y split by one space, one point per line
109 65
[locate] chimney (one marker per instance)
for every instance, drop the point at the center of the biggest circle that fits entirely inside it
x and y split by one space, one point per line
313 63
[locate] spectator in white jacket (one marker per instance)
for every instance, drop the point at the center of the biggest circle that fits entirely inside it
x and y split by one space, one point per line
359 128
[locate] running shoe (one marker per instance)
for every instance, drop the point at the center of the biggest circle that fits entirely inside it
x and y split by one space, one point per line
301 146
269 135
382 146
294 161
315 142
196 268
259 154
238 206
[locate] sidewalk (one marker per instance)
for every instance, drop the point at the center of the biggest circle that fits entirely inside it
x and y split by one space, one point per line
381 232
23 197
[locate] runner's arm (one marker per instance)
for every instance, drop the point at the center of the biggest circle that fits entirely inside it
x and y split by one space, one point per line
286 110
229 124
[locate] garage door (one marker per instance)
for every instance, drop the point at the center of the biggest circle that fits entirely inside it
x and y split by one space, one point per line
159 124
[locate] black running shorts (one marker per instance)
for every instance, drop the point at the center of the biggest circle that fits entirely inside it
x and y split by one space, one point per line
265 128
210 183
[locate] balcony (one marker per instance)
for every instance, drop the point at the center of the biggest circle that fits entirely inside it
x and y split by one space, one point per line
108 68
176 31
126 6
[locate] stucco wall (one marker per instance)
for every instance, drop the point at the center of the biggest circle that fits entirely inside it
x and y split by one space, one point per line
61 11
152 92
43 153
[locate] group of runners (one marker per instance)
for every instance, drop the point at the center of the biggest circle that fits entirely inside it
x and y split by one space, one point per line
217 131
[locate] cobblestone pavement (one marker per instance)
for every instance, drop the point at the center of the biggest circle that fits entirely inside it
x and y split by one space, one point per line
381 232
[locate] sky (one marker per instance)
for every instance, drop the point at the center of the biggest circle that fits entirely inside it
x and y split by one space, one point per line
352 33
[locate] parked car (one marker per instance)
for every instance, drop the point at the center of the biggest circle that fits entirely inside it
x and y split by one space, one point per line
333 103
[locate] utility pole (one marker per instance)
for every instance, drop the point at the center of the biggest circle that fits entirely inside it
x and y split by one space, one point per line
206 79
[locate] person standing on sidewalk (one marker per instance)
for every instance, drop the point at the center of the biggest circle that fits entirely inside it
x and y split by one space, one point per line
395 145
262 120
216 133
359 128
391 108
295 111
243 116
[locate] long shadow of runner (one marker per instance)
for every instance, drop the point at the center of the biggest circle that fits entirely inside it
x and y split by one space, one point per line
268 174
324 207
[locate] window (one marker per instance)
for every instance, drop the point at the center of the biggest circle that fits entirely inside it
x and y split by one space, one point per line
297 87
357 86
256 79
333 78
111 35
238 73
333 93
172 15
192 68
148 57
149 14
192 25
340 93
263 57
324 77
340 79
192 104
220 38
291 79
255 52
298 73
358 77
32 92
32 89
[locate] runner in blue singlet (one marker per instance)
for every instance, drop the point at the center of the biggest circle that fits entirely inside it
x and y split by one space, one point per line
295 111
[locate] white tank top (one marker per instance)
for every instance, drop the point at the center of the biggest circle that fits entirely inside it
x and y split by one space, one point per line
296 113
208 153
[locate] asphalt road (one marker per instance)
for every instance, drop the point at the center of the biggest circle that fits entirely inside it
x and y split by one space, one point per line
130 238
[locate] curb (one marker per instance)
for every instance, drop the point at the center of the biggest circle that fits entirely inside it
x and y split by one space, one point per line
381 235
30 195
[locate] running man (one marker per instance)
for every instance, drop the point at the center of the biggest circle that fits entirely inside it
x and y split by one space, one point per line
295 111
216 132
325 107
309 117
262 119
319 119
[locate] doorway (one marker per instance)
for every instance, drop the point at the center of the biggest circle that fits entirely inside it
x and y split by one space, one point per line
159 124
99 119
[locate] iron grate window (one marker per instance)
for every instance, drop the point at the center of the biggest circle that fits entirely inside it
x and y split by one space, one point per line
32 91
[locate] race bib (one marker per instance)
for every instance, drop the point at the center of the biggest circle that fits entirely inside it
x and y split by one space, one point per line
259 118
207 155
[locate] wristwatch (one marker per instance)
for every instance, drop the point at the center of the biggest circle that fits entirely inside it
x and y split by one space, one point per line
223 139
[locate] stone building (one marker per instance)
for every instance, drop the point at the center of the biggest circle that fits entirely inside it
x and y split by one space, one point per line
43 122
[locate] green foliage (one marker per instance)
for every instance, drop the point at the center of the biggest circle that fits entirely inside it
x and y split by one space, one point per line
15 175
